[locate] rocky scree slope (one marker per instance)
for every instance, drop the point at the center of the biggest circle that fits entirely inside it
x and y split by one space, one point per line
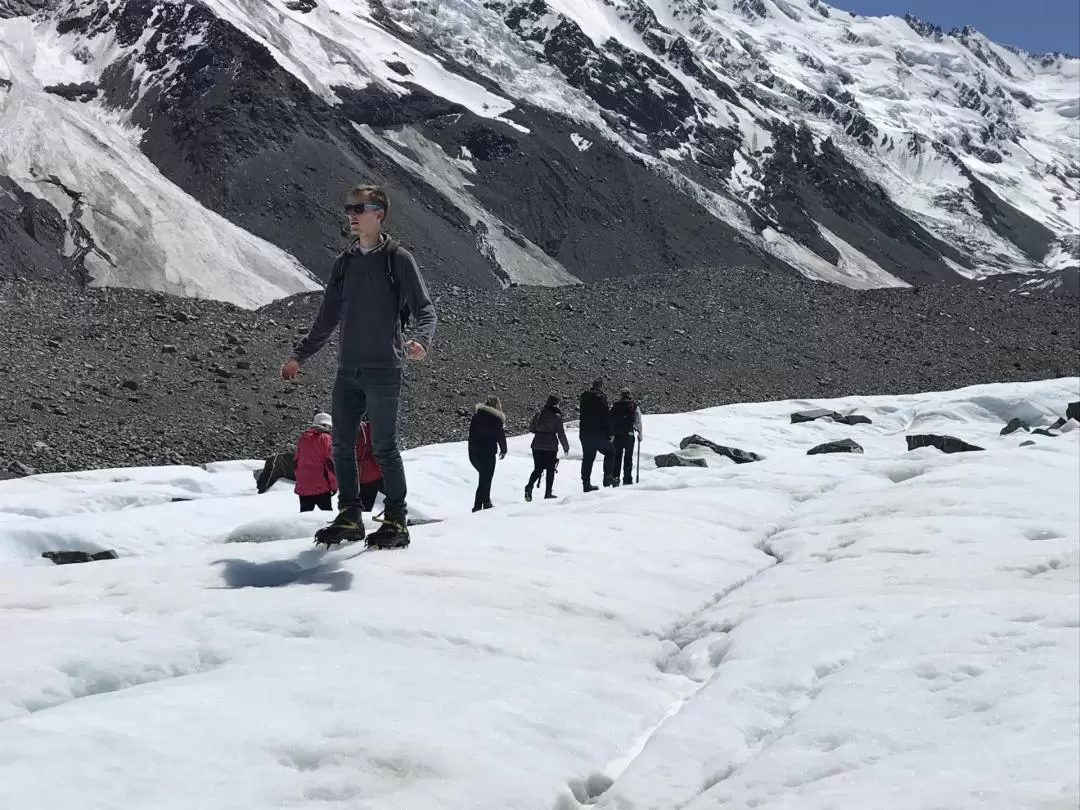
94 378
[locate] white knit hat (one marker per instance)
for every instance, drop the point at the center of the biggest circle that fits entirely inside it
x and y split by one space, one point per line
322 420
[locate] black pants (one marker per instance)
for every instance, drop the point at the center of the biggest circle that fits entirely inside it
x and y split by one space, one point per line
545 462
309 502
485 465
369 492
624 458
591 444
377 392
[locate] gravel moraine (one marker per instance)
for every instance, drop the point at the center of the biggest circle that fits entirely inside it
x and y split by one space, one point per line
110 377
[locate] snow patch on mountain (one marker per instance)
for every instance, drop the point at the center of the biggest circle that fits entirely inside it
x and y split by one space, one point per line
128 226
519 259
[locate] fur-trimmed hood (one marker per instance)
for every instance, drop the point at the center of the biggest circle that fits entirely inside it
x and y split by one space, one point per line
480 406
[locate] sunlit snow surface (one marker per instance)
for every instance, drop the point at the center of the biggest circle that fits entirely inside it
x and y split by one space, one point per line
891 630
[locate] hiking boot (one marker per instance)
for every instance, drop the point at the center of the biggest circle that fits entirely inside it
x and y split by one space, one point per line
348 527
587 487
393 531
628 480
550 495
528 494
488 505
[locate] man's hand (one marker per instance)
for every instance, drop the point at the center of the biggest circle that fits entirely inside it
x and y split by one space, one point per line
290 368
414 350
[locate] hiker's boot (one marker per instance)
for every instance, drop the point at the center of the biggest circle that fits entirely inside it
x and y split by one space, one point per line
348 527
588 487
393 531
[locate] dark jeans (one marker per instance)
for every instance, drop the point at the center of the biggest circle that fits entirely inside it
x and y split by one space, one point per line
484 464
369 493
545 462
591 444
309 502
624 457
377 392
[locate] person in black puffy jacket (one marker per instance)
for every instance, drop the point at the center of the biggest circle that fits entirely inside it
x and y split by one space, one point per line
594 431
486 435
625 423
549 433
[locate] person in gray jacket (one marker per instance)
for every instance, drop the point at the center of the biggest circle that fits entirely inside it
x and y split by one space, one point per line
547 425
374 287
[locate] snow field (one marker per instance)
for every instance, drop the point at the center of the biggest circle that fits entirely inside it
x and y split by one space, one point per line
892 629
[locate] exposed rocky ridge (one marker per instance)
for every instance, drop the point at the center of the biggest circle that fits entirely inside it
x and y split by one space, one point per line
92 378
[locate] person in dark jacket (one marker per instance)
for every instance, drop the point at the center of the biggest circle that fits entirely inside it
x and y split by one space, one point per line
549 433
486 435
370 284
625 423
594 431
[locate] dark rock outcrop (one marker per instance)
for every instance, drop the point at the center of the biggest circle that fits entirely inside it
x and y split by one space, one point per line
946 444
675 460
1014 425
841 446
84 91
69 557
824 413
733 453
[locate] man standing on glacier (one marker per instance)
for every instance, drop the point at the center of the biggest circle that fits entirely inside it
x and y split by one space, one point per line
374 286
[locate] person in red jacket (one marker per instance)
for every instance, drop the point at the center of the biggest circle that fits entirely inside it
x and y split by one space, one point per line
315 480
367 467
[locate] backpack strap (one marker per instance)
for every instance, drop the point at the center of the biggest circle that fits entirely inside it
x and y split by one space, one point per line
395 287
391 274
337 272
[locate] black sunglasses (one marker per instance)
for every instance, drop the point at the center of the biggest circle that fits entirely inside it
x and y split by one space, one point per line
360 208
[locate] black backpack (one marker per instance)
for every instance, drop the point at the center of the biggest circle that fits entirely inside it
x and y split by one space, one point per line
622 416
593 411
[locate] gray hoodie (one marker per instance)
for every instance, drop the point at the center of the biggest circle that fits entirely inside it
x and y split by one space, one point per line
360 298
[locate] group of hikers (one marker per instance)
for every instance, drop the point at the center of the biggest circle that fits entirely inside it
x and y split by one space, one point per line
373 291
608 430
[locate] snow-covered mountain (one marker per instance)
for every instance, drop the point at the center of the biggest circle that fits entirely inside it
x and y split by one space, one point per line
203 147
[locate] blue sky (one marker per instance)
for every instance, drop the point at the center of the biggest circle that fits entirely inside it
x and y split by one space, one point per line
1036 25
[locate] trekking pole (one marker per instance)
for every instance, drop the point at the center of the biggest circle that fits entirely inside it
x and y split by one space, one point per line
637 471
